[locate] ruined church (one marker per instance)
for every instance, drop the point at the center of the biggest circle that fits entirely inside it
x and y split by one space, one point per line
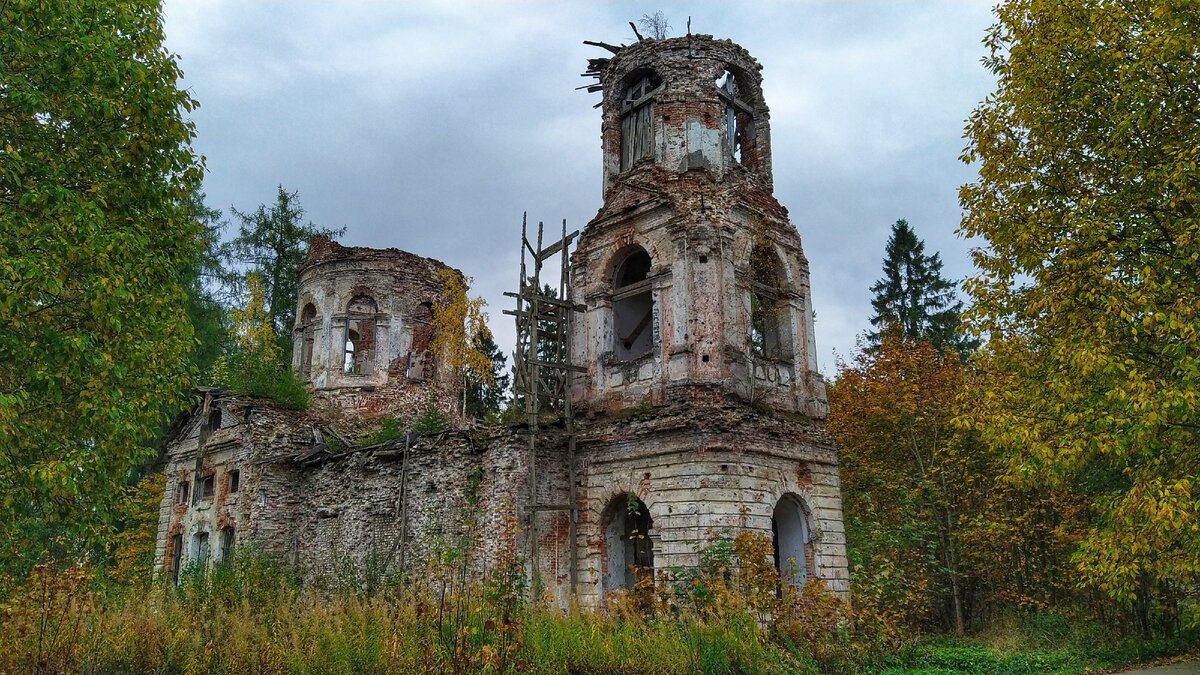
693 406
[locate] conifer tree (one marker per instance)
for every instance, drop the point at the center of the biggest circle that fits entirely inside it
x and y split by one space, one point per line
272 241
913 298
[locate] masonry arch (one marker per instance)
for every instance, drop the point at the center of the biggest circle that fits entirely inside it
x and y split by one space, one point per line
359 351
770 317
792 536
633 304
740 98
636 110
628 550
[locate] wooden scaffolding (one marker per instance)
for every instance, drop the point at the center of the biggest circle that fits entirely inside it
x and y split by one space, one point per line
542 377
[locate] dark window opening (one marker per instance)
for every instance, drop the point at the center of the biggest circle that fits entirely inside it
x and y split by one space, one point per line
308 333
214 419
739 115
181 493
176 557
637 117
235 480
206 487
228 538
770 336
630 548
360 336
633 307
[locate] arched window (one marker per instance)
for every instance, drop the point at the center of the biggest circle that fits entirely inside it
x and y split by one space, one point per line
199 554
739 116
633 306
789 524
637 116
630 552
770 324
308 333
360 336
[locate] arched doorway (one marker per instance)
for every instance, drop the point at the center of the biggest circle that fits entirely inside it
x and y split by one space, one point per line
789 524
629 550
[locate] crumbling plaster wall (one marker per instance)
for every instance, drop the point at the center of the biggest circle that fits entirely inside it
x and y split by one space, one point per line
254 440
699 238
705 472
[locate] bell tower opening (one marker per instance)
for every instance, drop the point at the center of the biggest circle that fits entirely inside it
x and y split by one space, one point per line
633 306
637 116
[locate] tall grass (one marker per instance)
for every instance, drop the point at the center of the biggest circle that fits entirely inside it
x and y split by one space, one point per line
252 616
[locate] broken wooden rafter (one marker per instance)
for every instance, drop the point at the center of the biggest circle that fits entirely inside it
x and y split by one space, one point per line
604 45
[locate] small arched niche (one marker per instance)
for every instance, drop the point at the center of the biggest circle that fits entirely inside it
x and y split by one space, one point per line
770 320
360 336
629 551
638 92
740 136
789 525
308 333
633 305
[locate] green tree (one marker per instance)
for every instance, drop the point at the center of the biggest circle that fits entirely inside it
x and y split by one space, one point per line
203 279
95 172
252 364
459 323
483 399
1088 198
273 242
913 296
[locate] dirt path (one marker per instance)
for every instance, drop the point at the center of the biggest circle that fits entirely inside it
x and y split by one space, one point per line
1186 668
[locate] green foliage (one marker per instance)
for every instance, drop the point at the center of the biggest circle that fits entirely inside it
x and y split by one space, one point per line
913 298
430 422
1089 203
389 429
272 241
485 400
202 279
96 169
252 365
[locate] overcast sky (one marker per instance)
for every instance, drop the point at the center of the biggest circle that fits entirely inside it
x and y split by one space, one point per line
432 127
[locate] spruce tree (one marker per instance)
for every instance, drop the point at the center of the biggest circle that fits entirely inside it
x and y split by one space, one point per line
913 298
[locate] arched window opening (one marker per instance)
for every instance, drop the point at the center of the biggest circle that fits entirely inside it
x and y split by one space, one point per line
360 336
308 335
769 320
637 116
630 551
789 525
200 550
633 306
739 115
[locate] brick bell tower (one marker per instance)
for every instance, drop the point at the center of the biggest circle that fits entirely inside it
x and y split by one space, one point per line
702 412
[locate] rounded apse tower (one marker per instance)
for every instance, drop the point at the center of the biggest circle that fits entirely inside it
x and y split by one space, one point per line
364 325
702 411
